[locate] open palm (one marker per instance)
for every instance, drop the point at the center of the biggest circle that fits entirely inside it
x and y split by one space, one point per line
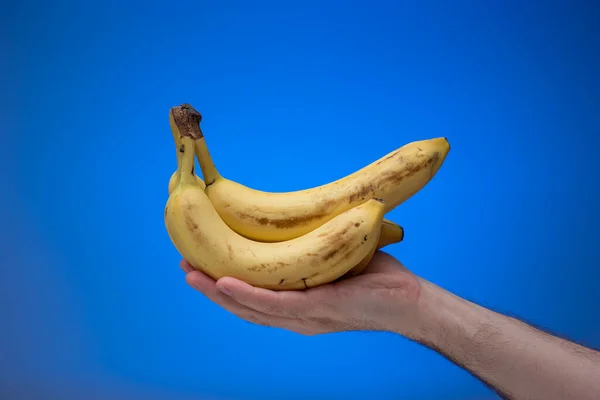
383 296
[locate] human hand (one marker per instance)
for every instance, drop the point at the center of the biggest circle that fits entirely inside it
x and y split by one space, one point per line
384 298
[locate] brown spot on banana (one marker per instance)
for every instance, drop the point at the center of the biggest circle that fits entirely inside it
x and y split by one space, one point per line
282 222
330 254
337 239
191 224
269 267
344 251
393 177
320 277
257 268
350 251
362 193
335 248
230 252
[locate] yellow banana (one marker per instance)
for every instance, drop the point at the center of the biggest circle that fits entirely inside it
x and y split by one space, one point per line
273 217
210 245
174 181
391 232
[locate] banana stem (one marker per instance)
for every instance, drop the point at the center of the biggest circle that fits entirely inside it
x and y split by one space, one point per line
185 125
209 171
177 138
187 174
185 122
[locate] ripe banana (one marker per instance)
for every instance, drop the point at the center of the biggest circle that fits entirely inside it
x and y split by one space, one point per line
273 217
391 232
210 245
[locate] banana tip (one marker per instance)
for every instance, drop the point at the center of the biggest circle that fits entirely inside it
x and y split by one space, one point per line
446 143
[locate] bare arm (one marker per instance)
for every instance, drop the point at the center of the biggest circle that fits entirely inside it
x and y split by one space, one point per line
513 358
516 360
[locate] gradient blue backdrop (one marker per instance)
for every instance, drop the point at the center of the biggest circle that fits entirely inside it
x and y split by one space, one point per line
294 94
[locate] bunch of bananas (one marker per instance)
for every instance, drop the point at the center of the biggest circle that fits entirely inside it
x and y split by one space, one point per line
294 240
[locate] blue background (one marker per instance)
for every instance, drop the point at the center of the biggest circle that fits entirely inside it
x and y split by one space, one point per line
294 94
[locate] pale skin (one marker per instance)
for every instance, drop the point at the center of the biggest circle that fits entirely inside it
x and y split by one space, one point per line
513 358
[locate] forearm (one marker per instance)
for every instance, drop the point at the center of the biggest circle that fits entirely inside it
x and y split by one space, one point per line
517 360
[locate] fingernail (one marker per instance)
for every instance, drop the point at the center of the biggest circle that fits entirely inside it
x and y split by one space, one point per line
224 290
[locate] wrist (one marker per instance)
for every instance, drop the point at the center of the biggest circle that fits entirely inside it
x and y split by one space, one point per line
441 316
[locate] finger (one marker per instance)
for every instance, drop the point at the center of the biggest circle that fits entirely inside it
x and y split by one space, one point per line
200 281
288 304
186 266
206 285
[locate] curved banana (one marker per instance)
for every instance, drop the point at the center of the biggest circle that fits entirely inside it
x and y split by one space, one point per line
391 232
210 245
272 217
